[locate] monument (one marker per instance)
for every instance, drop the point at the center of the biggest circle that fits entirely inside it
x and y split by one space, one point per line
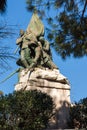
37 71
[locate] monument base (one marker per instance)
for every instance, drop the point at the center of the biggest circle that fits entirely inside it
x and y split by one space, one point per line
54 84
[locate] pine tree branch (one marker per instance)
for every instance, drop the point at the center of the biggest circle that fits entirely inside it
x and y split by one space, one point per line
83 11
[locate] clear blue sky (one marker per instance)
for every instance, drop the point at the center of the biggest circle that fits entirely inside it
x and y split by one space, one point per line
74 69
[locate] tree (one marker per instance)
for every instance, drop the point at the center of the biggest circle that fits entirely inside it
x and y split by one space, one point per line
3 4
78 114
5 51
25 110
5 32
67 24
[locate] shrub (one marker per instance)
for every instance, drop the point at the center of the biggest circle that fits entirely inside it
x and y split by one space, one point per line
78 114
26 110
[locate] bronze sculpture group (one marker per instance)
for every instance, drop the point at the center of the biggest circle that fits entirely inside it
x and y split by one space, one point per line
34 49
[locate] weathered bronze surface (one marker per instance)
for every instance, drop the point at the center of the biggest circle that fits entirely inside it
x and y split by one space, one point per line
34 49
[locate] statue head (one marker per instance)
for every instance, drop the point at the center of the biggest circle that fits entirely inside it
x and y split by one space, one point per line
32 38
41 38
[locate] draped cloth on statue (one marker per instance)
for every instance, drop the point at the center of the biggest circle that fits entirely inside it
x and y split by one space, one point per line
36 26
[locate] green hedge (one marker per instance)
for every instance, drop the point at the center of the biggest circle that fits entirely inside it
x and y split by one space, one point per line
25 110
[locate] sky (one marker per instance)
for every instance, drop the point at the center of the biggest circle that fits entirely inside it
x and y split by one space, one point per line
74 69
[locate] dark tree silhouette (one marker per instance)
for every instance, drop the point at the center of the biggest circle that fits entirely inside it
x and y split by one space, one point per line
3 4
67 24
6 31
25 110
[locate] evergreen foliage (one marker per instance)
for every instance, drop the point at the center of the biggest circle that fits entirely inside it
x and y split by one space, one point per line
78 115
67 24
3 4
25 110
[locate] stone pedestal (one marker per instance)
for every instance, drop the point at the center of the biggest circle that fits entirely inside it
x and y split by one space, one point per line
54 84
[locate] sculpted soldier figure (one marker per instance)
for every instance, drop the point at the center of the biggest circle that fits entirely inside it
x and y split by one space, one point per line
24 50
28 48
34 49
46 54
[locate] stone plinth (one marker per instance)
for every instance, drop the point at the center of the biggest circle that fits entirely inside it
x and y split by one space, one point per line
54 84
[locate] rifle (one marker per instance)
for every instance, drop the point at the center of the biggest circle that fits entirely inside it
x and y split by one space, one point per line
16 49
18 42
16 71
